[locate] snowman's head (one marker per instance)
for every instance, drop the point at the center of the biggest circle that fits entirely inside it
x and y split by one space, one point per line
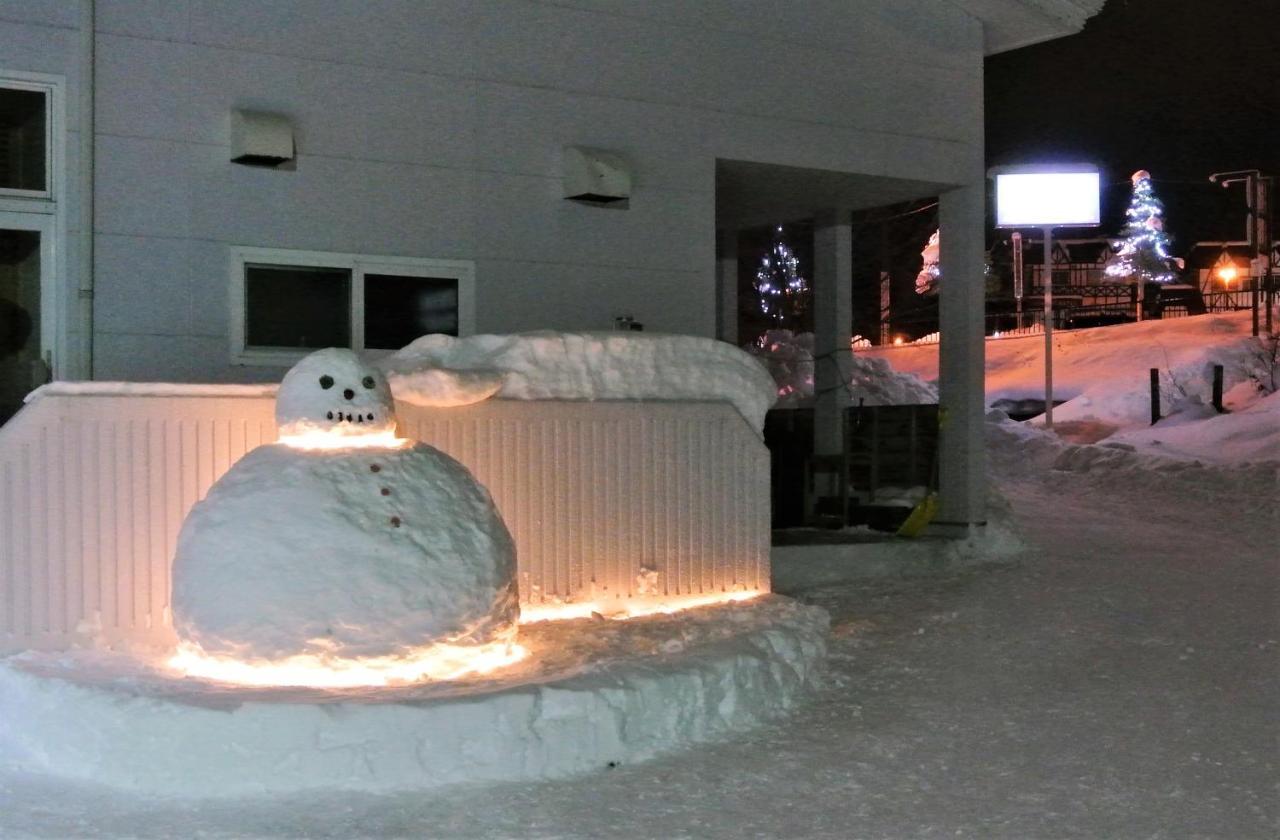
332 394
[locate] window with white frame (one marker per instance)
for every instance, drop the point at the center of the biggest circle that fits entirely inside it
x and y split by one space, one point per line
25 139
285 304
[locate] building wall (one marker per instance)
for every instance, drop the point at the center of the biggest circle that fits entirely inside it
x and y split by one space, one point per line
434 128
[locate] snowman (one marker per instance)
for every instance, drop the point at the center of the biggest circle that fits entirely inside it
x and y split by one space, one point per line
341 540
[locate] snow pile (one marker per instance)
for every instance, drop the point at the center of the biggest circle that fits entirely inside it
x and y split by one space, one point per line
1251 434
872 381
1103 374
1021 452
446 388
587 366
592 693
300 552
788 356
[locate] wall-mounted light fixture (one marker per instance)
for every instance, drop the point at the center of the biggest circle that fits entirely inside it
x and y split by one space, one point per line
262 139
595 176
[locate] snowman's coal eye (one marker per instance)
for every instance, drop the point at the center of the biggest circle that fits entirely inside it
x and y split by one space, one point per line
367 382
326 382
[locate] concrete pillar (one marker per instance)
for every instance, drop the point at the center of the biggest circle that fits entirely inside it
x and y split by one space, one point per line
962 479
727 285
832 327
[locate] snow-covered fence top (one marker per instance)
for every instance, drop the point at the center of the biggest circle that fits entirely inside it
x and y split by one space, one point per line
609 501
443 370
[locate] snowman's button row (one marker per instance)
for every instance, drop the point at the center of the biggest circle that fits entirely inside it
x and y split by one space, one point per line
386 491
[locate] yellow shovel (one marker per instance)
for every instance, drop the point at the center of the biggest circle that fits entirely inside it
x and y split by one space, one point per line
924 511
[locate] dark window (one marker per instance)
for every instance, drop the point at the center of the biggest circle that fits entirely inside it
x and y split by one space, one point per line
20 364
398 309
23 138
297 306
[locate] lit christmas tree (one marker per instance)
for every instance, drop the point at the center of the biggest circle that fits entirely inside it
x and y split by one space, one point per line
1143 254
783 293
931 271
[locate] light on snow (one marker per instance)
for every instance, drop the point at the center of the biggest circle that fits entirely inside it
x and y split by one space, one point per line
432 662
586 609
435 662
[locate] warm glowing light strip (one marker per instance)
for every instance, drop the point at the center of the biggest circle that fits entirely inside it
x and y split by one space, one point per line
317 439
435 662
622 610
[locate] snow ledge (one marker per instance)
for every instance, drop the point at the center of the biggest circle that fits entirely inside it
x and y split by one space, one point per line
655 684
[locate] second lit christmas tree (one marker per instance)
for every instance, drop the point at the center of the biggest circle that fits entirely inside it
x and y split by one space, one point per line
1142 256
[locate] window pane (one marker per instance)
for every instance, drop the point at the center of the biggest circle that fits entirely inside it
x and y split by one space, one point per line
22 139
399 309
297 306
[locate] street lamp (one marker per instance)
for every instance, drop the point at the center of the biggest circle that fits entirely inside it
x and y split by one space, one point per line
1227 273
1047 196
1258 189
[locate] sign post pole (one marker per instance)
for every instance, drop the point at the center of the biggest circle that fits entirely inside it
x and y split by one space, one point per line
1048 327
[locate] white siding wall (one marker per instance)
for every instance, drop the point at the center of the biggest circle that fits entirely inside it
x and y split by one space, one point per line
434 128
94 490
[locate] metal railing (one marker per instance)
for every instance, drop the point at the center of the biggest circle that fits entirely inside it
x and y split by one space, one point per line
1075 307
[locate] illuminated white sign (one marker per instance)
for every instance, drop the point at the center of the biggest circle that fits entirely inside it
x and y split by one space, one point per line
1046 196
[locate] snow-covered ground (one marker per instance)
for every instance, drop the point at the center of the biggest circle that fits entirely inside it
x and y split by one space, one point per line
1104 374
1121 681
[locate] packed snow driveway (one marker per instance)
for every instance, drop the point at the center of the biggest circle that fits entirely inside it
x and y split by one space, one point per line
1121 682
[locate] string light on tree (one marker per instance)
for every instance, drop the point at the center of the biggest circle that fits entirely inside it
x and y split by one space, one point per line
931 269
1142 255
782 291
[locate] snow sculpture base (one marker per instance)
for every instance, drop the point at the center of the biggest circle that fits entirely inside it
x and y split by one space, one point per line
592 692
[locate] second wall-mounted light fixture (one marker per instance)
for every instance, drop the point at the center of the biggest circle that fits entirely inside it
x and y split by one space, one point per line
595 176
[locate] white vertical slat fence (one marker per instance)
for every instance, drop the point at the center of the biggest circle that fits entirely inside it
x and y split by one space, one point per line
606 500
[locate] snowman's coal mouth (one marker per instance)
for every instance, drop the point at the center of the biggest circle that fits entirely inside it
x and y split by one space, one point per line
350 417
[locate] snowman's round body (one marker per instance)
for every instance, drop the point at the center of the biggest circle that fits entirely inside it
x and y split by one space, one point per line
356 551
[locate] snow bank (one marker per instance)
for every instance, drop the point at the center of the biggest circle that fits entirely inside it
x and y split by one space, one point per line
1019 452
874 382
789 358
591 693
584 366
1103 373
1199 432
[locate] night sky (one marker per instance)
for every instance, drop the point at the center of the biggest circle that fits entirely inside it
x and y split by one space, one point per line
1181 88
